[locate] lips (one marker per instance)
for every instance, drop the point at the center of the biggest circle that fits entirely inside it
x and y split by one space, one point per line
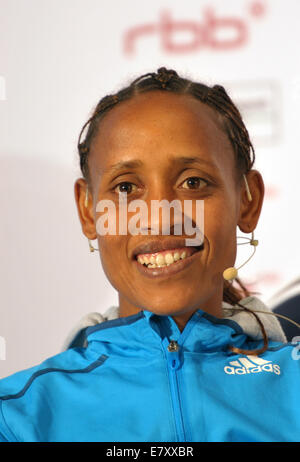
164 257
155 246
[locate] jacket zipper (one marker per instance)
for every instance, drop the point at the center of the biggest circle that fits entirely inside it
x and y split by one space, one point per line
172 350
173 361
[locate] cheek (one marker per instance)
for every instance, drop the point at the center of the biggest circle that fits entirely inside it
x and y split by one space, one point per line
220 231
113 256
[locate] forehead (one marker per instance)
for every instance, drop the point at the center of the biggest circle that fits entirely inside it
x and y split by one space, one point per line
156 127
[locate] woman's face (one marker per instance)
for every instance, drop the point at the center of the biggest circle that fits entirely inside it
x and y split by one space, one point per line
157 146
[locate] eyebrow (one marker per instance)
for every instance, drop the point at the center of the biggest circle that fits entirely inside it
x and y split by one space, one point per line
191 160
135 163
125 164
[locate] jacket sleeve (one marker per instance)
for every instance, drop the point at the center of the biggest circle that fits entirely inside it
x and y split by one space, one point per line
3 439
4 431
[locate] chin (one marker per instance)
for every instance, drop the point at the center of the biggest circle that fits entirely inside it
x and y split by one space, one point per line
169 307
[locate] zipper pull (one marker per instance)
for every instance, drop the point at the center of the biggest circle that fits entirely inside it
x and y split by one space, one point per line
173 355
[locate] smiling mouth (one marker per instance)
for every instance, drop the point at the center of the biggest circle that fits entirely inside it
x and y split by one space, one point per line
166 258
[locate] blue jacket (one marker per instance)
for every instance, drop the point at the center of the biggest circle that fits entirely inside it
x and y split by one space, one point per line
140 379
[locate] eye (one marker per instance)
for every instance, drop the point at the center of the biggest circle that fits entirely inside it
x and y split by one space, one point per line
125 187
194 182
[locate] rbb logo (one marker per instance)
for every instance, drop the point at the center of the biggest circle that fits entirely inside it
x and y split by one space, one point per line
213 32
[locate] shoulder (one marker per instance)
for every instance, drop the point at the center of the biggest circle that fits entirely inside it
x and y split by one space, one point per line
71 360
284 356
23 393
288 352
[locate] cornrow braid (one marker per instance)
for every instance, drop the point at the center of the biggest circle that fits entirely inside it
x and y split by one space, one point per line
217 98
163 75
235 126
83 147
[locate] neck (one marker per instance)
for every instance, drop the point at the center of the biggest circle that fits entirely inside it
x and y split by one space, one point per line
211 305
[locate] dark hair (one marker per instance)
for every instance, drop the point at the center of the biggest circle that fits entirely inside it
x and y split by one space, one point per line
215 97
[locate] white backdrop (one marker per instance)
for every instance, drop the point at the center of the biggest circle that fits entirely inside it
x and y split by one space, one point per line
58 58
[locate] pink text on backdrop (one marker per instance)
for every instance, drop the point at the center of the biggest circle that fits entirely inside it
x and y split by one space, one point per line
213 31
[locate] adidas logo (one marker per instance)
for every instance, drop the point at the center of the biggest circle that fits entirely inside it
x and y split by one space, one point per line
251 364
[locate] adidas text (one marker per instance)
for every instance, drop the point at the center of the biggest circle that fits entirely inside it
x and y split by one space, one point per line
251 365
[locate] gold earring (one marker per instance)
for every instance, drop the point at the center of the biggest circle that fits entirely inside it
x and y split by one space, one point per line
86 202
92 249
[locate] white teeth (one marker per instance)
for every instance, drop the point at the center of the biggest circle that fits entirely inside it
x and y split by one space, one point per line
169 258
176 256
160 260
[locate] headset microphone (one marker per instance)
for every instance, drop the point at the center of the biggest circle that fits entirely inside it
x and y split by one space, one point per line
231 273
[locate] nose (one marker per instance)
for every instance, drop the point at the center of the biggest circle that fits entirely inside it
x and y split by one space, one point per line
164 210
164 217
169 215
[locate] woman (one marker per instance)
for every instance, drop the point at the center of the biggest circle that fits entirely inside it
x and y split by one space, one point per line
171 362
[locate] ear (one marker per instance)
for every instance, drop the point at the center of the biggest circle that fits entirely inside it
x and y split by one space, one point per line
85 213
250 210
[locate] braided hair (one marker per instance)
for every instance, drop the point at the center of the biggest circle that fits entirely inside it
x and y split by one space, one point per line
217 98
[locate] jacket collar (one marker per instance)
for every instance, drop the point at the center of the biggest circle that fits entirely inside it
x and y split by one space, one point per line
145 332
239 321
